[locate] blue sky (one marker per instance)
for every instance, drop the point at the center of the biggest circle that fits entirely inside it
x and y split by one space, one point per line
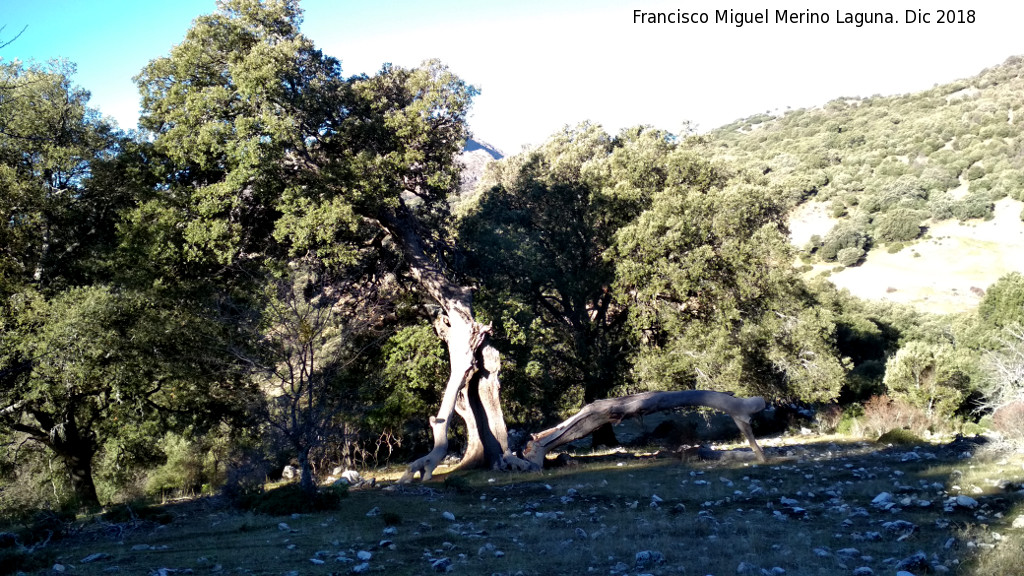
543 64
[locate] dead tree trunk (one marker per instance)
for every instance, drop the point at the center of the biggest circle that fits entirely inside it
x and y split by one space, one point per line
615 410
473 388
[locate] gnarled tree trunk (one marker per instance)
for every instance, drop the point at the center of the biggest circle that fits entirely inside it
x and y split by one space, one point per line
615 410
473 388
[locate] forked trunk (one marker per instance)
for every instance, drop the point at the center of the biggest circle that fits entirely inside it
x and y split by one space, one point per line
473 388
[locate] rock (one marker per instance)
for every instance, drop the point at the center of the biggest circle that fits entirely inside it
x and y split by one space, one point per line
581 534
59 568
317 561
375 511
351 476
863 571
284 527
788 501
747 568
918 563
966 502
364 555
848 552
882 499
290 473
1018 522
441 565
95 557
448 516
389 531
361 568
649 558
140 547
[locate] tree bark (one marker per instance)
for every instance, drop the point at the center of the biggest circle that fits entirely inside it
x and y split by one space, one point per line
473 387
615 410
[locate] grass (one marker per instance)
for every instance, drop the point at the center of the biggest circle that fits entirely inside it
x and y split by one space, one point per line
702 517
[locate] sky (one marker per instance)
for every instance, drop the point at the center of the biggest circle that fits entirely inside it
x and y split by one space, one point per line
541 65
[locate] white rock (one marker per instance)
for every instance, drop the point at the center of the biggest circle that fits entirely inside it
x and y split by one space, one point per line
316 561
361 568
283 527
863 571
448 516
351 476
1018 522
364 555
375 511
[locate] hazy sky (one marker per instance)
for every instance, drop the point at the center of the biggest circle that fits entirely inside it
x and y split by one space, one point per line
543 64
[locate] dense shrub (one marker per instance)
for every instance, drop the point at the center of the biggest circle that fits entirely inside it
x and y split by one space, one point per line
850 256
899 225
900 436
974 206
844 235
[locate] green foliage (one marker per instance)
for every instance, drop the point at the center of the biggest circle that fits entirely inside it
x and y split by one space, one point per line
974 205
1003 304
843 235
898 226
850 256
900 437
928 376
415 370
712 305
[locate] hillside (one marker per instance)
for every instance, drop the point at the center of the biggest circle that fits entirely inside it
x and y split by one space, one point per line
940 172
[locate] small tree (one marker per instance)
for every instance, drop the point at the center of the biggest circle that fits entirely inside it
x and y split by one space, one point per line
928 376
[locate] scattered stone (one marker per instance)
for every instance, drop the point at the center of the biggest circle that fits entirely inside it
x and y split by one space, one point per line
390 531
291 473
441 565
317 561
59 568
95 557
581 534
747 568
361 568
375 511
284 527
448 516
140 547
364 555
966 502
863 571
351 476
1018 522
882 498
788 501
648 559
917 563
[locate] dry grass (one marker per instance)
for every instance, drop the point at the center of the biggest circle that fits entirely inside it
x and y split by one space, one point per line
702 517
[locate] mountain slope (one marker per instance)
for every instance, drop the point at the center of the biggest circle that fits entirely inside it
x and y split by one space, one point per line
867 176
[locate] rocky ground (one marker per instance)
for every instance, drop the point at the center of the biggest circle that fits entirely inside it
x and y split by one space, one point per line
819 506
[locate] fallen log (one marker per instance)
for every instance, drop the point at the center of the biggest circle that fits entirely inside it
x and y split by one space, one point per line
615 410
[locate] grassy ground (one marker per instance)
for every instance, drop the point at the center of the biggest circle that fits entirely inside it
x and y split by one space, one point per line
808 511
969 255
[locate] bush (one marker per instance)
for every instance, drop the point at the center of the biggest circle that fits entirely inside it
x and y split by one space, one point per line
850 256
882 414
899 225
290 499
900 436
